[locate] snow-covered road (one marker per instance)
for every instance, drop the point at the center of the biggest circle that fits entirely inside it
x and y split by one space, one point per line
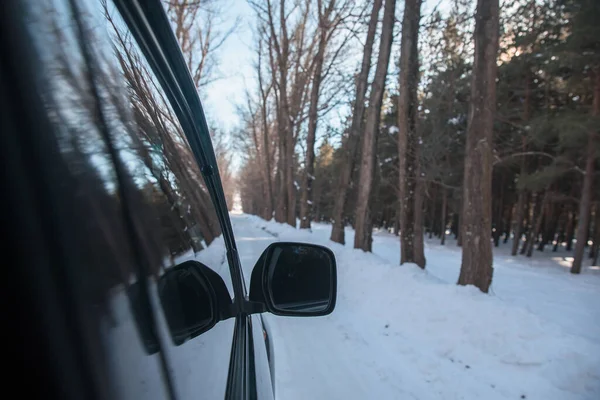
402 333
319 358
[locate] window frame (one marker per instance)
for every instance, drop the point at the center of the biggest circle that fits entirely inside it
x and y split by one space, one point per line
152 31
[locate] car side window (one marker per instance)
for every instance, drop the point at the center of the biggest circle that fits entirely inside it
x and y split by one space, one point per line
138 188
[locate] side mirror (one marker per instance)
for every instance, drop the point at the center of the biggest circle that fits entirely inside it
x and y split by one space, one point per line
193 298
295 279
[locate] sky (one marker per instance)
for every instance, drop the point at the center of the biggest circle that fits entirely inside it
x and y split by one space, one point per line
236 58
235 68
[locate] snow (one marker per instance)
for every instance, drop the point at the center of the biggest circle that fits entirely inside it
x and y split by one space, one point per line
397 332
400 332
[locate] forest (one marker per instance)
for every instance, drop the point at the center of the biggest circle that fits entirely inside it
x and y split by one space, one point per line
457 138
474 120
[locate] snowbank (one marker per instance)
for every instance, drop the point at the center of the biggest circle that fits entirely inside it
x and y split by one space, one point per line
413 334
398 332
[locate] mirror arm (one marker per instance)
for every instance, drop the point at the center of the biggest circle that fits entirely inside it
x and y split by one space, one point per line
248 307
253 307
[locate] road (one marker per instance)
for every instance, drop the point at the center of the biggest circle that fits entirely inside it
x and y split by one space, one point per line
401 332
323 357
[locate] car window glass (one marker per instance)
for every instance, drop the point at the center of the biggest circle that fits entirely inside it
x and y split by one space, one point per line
101 92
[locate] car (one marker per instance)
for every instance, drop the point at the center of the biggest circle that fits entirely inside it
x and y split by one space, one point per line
122 274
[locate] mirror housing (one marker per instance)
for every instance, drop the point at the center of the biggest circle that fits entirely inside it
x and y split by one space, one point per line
295 279
193 298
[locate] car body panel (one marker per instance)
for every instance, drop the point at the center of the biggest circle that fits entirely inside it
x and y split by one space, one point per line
74 184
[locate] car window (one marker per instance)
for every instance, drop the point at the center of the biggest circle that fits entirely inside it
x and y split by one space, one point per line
131 164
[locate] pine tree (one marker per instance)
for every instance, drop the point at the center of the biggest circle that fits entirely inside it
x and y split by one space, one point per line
476 267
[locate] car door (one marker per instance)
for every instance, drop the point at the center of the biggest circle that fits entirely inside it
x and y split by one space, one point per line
249 375
120 155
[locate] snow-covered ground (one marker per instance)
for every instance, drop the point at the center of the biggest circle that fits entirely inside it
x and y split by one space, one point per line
402 333
397 332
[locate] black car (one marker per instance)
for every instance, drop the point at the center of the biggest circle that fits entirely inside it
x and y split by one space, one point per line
121 274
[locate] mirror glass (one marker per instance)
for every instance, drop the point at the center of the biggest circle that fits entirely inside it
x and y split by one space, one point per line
300 278
187 302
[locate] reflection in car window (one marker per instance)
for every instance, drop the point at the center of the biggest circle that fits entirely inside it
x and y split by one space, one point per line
111 93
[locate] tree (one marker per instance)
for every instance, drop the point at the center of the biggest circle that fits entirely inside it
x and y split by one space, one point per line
196 27
265 125
351 143
545 140
411 187
584 40
291 52
329 19
325 177
476 267
363 225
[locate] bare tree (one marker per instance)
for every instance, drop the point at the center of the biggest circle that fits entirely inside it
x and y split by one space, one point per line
330 18
197 29
291 42
159 128
363 231
476 268
265 90
411 187
351 144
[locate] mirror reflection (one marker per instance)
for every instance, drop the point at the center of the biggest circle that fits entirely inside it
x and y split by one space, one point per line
300 278
186 301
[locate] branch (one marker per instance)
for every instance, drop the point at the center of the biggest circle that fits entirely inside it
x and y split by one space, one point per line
523 154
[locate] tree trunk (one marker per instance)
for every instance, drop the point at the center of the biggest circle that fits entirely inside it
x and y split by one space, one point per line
584 210
280 214
418 242
279 41
532 207
351 144
317 201
407 135
561 230
551 225
508 223
595 233
458 229
264 94
518 225
306 197
499 219
444 210
476 267
264 209
537 226
585 203
522 196
431 212
596 245
363 234
570 235
290 181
